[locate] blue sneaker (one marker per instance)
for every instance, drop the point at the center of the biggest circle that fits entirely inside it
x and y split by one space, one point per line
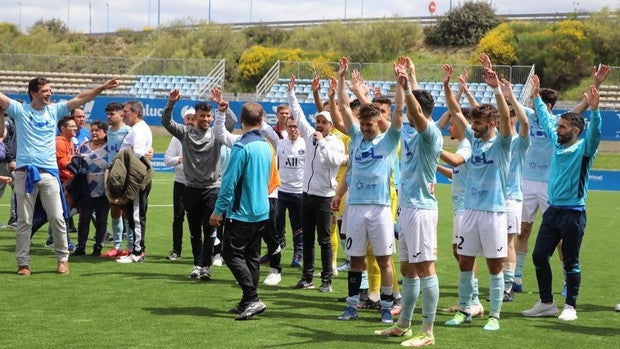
386 316
564 291
350 313
517 288
459 318
71 246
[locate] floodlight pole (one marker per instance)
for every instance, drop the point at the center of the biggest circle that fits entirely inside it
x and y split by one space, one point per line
90 16
19 3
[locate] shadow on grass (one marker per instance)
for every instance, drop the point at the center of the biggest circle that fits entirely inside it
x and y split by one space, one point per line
191 311
572 326
308 335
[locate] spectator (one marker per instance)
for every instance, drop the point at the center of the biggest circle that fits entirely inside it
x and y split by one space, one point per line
95 154
37 171
140 139
201 166
117 131
174 157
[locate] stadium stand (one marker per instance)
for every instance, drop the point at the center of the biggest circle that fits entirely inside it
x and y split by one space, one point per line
139 86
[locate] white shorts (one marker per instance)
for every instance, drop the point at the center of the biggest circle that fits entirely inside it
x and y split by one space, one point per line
483 233
534 197
457 226
418 235
513 216
369 224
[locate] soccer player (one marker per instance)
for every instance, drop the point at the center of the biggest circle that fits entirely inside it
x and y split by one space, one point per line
484 218
369 217
421 144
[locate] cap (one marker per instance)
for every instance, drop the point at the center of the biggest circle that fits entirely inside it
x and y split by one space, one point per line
326 115
189 111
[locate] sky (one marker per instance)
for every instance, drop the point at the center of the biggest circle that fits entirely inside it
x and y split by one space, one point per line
91 16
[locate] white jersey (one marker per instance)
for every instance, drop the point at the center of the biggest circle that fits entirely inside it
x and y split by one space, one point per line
291 158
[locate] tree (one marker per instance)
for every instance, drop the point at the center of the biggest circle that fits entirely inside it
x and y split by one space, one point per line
463 26
54 26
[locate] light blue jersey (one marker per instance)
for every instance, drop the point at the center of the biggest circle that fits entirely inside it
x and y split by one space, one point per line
488 171
568 180
115 140
459 177
419 159
538 157
372 164
518 149
35 131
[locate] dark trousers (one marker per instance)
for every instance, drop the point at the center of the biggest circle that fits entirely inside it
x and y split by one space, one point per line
316 215
292 203
199 204
272 239
566 225
101 208
178 216
137 223
241 252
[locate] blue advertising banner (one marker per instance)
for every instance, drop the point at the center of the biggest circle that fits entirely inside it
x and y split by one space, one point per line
153 109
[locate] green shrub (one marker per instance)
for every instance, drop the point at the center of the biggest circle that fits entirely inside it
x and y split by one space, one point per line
463 26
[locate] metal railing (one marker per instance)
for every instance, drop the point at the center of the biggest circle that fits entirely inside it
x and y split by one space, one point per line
268 80
216 79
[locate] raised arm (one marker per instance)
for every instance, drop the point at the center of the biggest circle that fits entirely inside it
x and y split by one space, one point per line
491 79
334 107
358 87
298 114
219 130
400 73
176 129
316 87
414 110
89 95
410 67
598 75
465 89
524 123
593 133
454 108
343 99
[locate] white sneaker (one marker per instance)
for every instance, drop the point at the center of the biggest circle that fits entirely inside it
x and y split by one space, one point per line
568 313
131 258
273 278
195 274
541 309
217 260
